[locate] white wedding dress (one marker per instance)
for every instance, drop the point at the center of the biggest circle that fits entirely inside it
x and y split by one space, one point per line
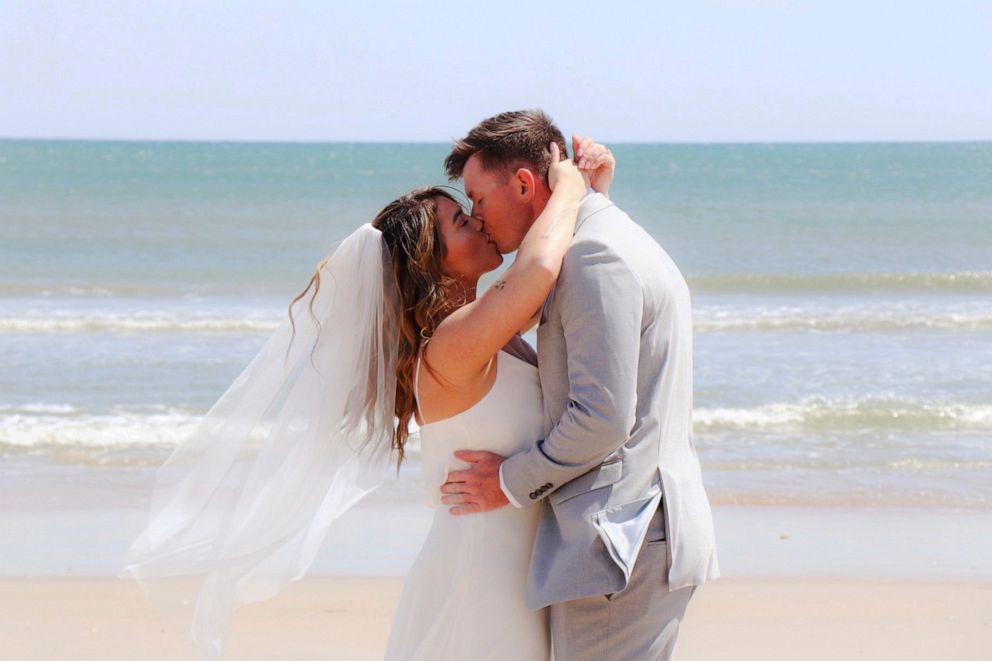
463 599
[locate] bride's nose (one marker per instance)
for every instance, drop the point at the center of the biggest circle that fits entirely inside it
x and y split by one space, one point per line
479 225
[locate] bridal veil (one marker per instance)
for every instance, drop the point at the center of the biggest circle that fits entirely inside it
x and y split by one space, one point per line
240 509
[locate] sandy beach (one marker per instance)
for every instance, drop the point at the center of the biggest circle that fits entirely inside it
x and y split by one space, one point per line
800 583
49 619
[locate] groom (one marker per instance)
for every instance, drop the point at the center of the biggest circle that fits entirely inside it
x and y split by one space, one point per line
626 532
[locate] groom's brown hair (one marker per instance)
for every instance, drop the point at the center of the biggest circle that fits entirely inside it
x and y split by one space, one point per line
508 141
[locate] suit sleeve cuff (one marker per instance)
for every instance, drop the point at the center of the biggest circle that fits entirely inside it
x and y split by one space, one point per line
506 492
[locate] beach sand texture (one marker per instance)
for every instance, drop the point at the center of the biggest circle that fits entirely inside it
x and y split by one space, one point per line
347 618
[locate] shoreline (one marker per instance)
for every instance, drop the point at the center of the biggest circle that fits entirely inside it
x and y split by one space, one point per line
44 483
380 538
348 617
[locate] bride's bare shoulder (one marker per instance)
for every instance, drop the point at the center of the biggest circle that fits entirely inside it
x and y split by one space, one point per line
442 394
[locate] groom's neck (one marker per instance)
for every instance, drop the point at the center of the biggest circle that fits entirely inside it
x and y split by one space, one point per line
541 196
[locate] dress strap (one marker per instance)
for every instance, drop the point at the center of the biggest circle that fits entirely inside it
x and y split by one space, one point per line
416 384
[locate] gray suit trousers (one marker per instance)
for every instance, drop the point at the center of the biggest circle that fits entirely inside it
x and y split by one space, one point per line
641 623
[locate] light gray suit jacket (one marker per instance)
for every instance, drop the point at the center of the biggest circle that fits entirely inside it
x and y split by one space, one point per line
615 358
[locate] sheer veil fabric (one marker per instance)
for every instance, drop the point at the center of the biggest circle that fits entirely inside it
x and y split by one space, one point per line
240 509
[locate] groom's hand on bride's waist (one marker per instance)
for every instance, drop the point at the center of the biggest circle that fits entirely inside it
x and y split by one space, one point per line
477 488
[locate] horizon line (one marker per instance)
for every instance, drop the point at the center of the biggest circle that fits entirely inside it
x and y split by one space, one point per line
443 142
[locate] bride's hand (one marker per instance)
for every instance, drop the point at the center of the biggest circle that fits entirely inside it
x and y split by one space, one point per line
565 174
595 162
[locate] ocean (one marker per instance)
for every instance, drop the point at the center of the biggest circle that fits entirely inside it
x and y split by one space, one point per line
842 297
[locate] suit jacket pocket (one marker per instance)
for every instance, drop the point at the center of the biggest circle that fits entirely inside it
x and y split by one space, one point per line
599 477
622 528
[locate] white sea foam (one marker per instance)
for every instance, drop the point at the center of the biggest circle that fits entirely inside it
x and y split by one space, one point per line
873 317
49 427
872 413
948 282
974 282
123 323
124 437
37 407
929 464
707 318
89 290
64 425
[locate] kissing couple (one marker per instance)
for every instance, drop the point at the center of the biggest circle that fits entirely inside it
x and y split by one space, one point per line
571 520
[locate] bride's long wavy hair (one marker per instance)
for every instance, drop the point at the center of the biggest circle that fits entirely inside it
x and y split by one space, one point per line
412 234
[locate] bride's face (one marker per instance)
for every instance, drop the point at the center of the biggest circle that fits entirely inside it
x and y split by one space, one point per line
469 251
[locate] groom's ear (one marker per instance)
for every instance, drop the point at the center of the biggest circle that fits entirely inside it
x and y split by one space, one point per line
524 184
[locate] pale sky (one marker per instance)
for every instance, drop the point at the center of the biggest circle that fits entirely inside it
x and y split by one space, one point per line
691 71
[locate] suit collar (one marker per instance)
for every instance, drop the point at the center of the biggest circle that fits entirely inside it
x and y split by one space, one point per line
591 205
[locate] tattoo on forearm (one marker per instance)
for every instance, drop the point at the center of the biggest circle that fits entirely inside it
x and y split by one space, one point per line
553 225
499 285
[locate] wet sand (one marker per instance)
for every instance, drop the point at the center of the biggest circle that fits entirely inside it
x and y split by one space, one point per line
325 618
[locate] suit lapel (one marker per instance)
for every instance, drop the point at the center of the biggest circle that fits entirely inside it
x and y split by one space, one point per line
593 204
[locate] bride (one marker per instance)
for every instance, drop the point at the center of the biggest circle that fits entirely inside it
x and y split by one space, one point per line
394 332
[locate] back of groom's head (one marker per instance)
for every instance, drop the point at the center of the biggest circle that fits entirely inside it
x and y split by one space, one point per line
506 142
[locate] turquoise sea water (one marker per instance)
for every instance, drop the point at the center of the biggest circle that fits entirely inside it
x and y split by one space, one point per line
842 299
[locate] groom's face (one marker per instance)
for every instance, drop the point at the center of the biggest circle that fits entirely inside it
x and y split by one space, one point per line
498 203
